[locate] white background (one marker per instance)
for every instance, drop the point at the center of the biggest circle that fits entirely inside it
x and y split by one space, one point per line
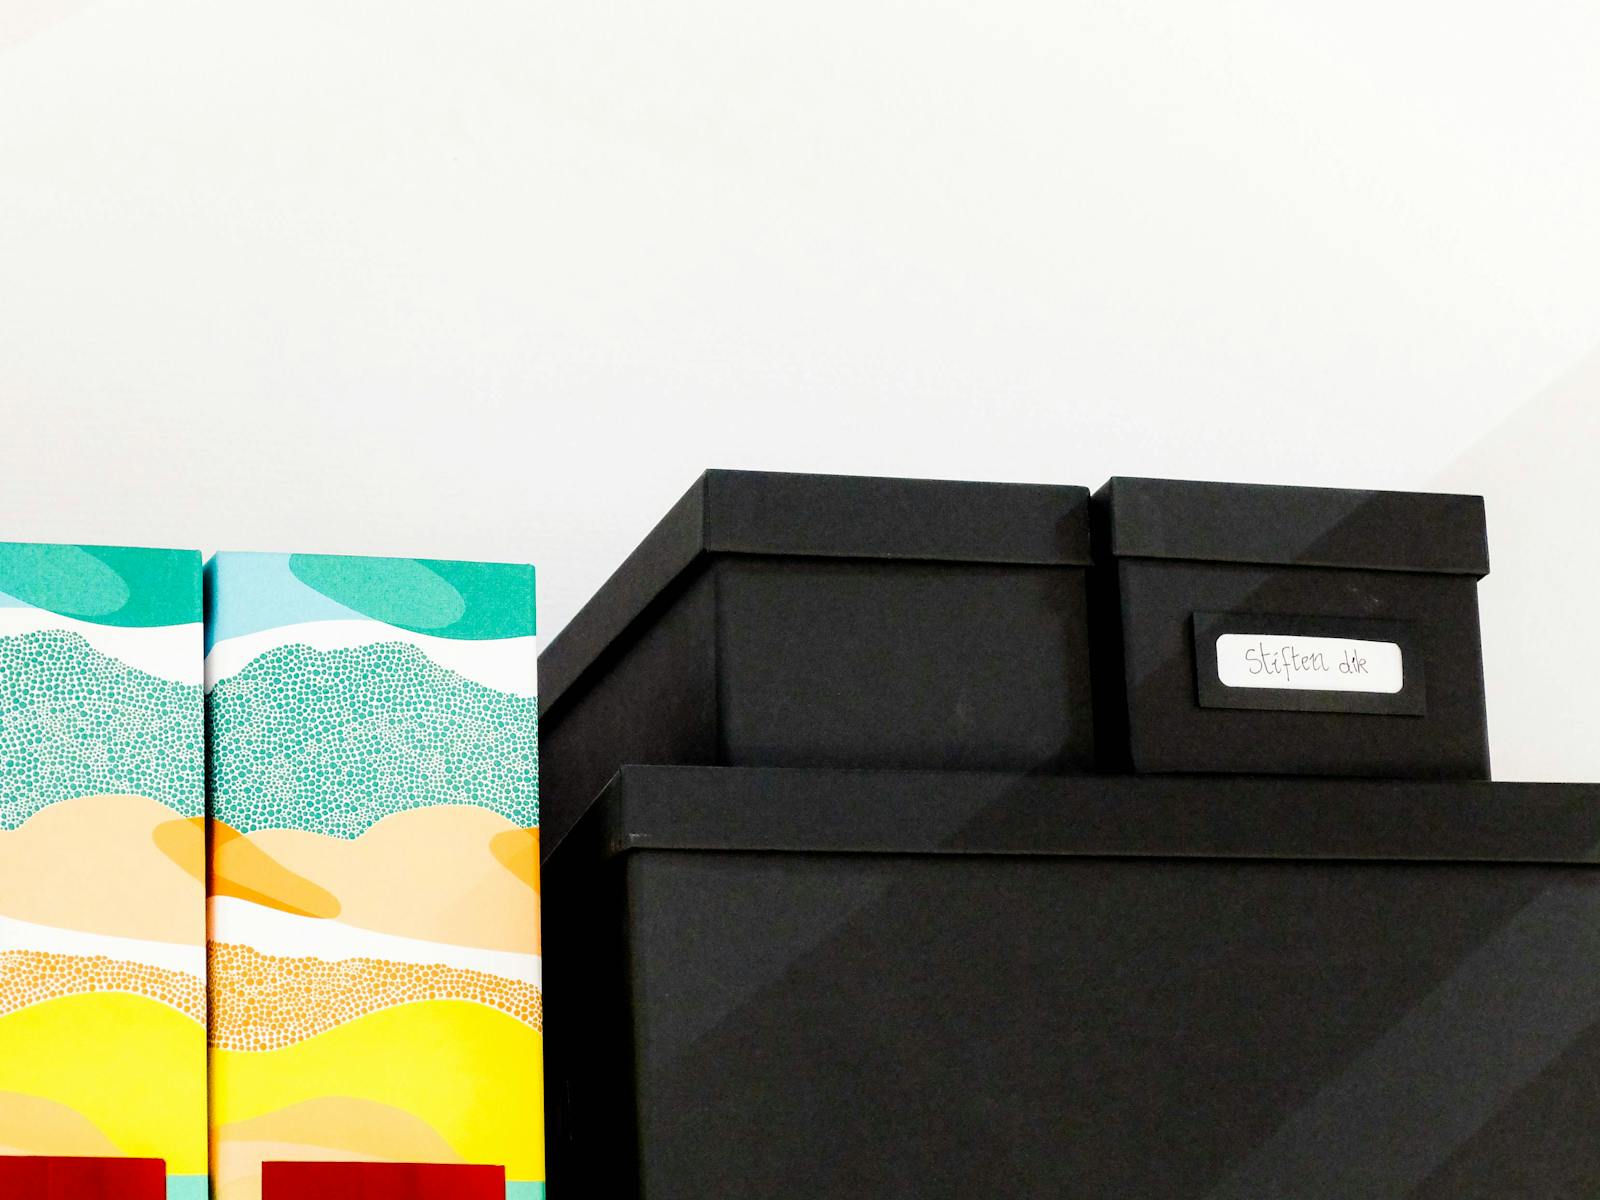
499 279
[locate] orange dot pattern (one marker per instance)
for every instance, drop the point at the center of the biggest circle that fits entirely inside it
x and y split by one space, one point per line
33 976
263 1002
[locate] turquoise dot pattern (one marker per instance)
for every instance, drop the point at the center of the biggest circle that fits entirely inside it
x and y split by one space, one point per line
75 722
333 741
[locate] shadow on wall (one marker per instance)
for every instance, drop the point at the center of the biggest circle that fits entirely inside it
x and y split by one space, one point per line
1540 474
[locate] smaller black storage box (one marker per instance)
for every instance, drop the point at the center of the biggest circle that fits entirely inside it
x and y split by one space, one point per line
1250 629
820 620
769 984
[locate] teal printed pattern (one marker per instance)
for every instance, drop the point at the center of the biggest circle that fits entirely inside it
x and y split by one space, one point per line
248 593
106 585
333 741
466 601
470 601
75 722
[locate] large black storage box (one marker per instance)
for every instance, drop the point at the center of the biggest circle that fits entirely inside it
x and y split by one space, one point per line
770 984
817 620
1282 630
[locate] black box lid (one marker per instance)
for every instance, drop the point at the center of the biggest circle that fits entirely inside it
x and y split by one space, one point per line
801 810
1294 526
822 516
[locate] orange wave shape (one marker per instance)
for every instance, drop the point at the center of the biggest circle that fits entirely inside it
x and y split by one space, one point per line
451 873
263 1002
30 977
119 865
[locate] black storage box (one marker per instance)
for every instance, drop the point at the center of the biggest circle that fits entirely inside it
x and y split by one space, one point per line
768 984
819 620
1285 630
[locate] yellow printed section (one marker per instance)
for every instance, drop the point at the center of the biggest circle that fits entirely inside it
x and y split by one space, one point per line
130 1067
456 1075
333 1129
34 1125
358 1128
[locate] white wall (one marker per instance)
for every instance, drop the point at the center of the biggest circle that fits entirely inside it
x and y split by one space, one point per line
498 279
1539 472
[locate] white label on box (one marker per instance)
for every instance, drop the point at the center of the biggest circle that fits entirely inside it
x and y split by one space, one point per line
1309 664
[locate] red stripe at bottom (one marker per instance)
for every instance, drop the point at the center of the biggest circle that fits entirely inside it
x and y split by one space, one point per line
54 1178
380 1181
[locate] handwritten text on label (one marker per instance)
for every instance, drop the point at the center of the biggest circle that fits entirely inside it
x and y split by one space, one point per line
1309 664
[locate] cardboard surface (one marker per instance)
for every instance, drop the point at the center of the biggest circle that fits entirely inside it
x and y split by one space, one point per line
1180 563
825 621
1196 989
771 513
375 956
102 863
1297 526
1086 816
